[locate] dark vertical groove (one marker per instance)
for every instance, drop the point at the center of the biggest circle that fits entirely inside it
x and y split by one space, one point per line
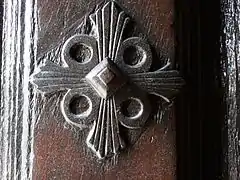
188 119
200 110
214 108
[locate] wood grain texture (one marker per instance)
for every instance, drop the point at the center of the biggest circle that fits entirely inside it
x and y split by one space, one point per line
17 101
207 113
60 150
230 53
36 142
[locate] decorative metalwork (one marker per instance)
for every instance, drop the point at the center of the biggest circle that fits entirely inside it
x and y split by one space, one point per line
106 76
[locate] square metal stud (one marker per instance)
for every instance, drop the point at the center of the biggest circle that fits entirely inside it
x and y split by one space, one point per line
106 78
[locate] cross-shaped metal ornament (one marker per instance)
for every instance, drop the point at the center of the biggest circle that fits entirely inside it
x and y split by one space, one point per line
106 75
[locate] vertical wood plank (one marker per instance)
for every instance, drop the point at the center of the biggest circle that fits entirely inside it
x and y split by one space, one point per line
230 59
17 116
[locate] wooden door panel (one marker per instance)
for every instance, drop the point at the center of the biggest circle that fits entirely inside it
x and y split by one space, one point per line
60 149
50 148
37 143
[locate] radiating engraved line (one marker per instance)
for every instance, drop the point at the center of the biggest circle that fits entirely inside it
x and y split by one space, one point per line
111 30
121 24
60 74
57 78
60 70
107 134
110 140
115 141
114 18
121 34
103 34
106 29
56 81
59 87
157 88
118 25
66 85
112 126
160 90
119 139
158 74
49 77
160 84
159 79
99 39
92 134
96 131
102 131
104 138
61 78
177 84
56 88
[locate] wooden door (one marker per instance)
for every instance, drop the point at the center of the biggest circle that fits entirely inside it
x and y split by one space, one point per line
183 138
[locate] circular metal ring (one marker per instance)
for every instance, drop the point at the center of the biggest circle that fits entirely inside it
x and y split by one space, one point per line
84 119
131 92
89 43
141 47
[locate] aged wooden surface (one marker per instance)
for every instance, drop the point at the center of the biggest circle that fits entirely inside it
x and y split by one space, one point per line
230 58
17 115
59 148
36 142
44 147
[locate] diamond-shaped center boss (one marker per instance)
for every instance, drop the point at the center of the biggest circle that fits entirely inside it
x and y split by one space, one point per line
106 78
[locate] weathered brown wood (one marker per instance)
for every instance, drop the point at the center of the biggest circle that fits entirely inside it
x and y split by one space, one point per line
36 141
153 156
207 113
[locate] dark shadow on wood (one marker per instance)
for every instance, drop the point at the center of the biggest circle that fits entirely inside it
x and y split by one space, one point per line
200 109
